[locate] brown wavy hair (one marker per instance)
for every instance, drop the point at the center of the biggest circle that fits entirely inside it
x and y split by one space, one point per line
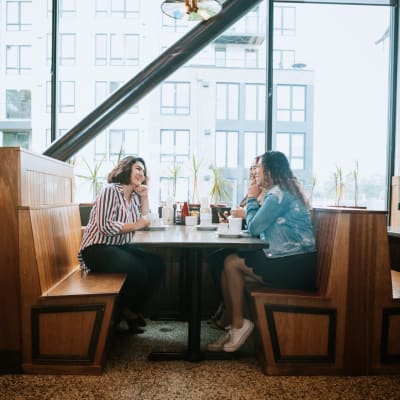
278 166
122 171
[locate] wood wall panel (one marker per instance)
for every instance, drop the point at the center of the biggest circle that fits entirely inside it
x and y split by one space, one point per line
25 179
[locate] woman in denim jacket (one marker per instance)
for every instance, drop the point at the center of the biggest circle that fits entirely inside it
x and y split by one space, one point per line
283 221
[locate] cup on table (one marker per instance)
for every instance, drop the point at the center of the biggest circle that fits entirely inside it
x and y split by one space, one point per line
235 224
191 220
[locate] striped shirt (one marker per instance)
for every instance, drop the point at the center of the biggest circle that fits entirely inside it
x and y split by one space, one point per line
109 214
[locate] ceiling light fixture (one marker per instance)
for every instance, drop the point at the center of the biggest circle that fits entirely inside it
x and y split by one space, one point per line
191 10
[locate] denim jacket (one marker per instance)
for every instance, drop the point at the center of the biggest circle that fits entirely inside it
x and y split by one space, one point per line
283 221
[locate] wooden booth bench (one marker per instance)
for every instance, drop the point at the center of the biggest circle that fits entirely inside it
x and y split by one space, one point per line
351 324
66 317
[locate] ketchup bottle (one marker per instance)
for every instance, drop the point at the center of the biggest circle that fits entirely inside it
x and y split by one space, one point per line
185 212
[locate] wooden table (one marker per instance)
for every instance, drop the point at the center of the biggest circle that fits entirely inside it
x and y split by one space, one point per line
191 243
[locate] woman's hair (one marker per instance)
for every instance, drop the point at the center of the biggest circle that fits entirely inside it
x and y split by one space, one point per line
122 171
276 163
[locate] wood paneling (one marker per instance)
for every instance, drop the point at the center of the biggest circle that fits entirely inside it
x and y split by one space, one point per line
66 317
25 179
356 283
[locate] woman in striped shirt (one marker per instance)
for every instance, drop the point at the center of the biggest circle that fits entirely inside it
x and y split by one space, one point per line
119 211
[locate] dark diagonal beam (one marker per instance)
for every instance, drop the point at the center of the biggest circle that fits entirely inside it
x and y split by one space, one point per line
132 91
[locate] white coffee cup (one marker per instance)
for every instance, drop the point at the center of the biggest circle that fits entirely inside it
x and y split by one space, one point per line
235 224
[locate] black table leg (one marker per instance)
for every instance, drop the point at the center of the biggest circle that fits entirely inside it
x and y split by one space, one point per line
192 260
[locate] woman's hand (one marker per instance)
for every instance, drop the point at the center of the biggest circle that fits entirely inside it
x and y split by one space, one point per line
142 190
253 190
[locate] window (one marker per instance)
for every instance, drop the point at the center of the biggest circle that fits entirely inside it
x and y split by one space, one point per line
283 58
18 59
123 142
292 144
67 48
291 100
65 97
125 8
66 8
251 58
175 145
285 20
254 144
227 101
117 8
100 146
220 57
254 101
124 49
19 15
16 139
226 149
175 98
116 143
101 49
18 104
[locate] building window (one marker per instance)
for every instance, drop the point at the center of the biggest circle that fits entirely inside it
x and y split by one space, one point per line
101 50
117 8
123 142
66 8
251 58
116 143
19 15
283 58
220 56
227 101
175 145
175 98
291 101
16 139
124 49
67 48
65 96
292 144
18 59
254 102
18 104
226 149
254 144
103 90
285 20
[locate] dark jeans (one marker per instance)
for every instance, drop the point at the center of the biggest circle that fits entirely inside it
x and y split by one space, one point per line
144 270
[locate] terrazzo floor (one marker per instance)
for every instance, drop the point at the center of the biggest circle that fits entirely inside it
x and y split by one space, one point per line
129 375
